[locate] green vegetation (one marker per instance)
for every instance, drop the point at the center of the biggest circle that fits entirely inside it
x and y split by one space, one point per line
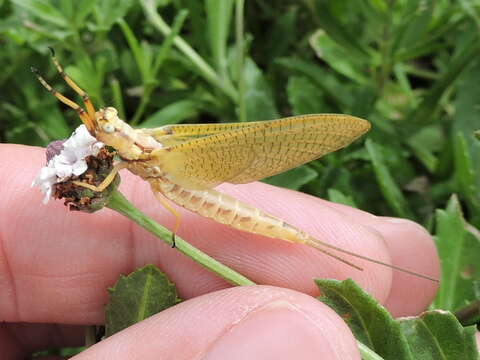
410 67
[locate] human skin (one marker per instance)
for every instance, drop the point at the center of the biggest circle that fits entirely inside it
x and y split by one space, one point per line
56 266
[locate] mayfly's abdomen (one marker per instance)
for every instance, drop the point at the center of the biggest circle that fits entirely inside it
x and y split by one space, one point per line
229 211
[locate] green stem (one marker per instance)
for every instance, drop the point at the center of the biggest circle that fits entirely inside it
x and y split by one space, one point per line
205 70
120 204
242 114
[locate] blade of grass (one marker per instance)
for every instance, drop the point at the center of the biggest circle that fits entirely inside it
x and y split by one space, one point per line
240 59
117 97
150 82
388 187
219 14
423 114
204 69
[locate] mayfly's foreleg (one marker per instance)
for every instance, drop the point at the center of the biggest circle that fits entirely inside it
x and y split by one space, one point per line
86 99
169 207
107 181
83 115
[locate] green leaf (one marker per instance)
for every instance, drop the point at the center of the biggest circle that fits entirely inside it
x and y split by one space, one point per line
465 118
424 112
282 34
137 296
434 335
415 19
465 175
173 113
370 322
108 12
293 179
425 143
338 57
458 246
45 10
388 187
338 197
219 14
136 49
438 335
323 79
304 96
340 33
259 101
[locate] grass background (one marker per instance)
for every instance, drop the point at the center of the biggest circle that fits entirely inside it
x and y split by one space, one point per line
412 67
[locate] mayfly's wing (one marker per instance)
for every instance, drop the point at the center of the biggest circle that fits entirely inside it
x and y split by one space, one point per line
203 156
170 135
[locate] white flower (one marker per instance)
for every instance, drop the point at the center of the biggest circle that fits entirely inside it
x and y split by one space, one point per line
70 161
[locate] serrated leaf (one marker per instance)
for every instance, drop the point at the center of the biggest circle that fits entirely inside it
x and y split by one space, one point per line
434 335
370 322
137 296
389 188
458 246
437 335
293 179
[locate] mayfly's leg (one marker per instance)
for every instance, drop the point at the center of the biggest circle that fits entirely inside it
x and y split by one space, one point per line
169 207
107 181
87 120
86 99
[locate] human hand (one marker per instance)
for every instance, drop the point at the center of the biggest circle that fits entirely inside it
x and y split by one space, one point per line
56 266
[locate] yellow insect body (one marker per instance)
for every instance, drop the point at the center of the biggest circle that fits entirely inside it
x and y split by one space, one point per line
183 163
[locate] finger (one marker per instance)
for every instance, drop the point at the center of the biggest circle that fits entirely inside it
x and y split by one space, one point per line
65 261
18 341
411 247
240 323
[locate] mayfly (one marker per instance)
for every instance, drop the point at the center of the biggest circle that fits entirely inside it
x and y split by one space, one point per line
183 163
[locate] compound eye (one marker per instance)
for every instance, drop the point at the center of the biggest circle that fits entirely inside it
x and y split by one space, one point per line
108 128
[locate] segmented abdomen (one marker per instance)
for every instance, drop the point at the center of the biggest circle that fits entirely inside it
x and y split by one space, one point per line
228 210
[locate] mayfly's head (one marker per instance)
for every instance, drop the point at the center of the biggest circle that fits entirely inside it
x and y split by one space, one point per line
108 128
104 124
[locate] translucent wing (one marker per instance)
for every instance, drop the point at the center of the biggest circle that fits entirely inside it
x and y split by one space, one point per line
170 135
203 156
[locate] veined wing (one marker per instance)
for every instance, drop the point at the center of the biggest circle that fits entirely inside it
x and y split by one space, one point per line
170 135
241 153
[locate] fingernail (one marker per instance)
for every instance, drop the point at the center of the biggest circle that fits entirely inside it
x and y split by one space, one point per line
275 331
